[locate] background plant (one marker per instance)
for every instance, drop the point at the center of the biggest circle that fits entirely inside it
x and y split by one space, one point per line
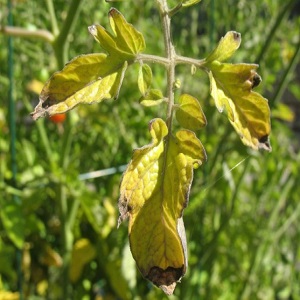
232 203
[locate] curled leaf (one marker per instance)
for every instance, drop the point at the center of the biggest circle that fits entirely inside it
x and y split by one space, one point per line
153 97
226 47
154 191
144 78
86 79
189 114
248 111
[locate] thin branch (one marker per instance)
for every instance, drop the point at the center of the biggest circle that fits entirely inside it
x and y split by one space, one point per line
53 19
42 34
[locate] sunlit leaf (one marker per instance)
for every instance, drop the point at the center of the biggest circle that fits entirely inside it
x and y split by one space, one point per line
153 97
226 47
86 79
248 111
189 114
144 78
126 41
154 191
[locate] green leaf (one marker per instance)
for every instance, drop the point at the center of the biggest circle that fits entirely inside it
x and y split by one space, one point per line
152 98
126 41
154 191
226 47
13 221
187 3
87 79
144 78
248 111
189 114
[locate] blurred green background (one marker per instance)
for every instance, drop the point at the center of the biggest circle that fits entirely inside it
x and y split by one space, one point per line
58 234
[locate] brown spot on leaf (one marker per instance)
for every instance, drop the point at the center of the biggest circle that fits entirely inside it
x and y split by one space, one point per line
165 279
264 143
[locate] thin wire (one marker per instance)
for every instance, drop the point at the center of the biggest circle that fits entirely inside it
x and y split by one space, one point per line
12 130
219 178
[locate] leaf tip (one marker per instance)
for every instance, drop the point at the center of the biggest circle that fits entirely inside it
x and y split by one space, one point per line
264 143
165 279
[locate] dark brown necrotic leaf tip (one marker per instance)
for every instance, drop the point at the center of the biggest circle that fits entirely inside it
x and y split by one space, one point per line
166 279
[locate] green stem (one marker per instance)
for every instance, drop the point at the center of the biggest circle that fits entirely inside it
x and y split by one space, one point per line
170 53
286 76
21 32
61 43
273 30
53 19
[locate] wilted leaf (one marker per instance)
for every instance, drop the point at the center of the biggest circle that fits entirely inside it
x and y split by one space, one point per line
248 111
154 191
126 41
226 47
86 79
144 78
83 253
152 98
189 114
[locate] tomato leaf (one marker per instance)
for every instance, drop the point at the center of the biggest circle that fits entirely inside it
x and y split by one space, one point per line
144 78
126 41
153 97
248 111
86 79
189 114
226 47
154 191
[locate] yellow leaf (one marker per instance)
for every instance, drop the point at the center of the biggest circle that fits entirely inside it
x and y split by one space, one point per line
144 78
86 79
189 114
248 111
83 252
126 41
154 191
226 47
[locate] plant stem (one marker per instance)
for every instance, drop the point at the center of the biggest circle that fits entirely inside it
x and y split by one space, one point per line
170 53
61 43
53 19
41 34
273 30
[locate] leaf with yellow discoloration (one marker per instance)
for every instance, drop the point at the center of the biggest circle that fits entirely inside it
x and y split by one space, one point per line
154 191
231 88
83 253
86 79
189 113
248 111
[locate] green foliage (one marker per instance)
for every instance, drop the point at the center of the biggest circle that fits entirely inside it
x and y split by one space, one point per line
241 223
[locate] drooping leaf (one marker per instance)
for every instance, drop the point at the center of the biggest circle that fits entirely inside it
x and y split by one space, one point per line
248 111
153 97
226 47
86 79
189 114
154 191
126 41
144 78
